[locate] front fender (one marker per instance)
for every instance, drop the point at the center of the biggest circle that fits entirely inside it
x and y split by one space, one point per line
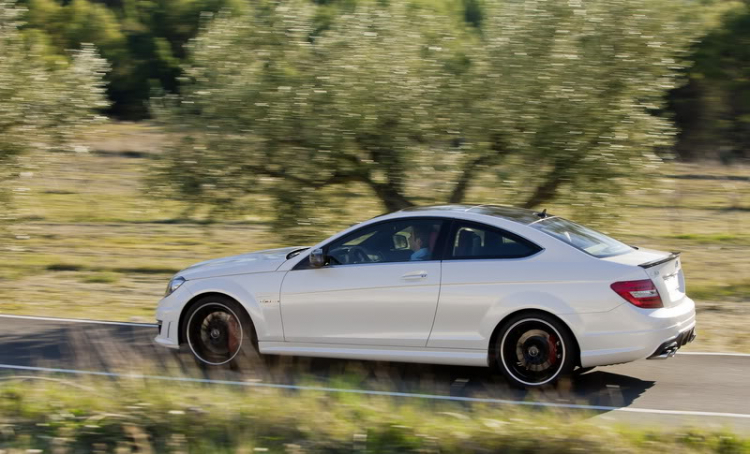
258 293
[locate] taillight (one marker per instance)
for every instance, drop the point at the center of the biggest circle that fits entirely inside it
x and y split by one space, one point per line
639 293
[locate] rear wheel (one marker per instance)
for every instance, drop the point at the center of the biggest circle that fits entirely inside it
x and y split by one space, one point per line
219 332
534 350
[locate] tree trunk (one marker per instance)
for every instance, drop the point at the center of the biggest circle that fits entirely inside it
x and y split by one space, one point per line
392 198
462 185
544 192
467 176
473 167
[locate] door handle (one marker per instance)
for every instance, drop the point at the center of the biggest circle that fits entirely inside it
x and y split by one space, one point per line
414 276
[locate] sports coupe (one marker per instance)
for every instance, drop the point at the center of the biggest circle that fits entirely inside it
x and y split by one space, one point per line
533 294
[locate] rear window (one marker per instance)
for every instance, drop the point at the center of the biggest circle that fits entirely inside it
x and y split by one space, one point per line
587 240
475 241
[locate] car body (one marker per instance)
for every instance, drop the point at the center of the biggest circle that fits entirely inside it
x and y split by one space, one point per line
497 284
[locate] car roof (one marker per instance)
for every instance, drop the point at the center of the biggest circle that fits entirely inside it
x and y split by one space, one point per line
520 215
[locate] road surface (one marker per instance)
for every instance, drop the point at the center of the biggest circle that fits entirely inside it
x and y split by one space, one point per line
708 391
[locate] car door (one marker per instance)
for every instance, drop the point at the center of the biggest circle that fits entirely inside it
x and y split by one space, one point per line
380 287
482 267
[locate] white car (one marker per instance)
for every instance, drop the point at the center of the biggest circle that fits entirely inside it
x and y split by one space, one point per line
477 285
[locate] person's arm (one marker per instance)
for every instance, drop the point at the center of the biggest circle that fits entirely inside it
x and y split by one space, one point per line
422 254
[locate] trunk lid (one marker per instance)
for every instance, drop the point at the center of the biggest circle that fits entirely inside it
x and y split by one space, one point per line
664 269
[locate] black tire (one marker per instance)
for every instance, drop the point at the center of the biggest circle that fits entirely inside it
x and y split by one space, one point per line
219 333
535 349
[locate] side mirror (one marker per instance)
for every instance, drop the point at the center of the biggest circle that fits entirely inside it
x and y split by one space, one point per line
317 258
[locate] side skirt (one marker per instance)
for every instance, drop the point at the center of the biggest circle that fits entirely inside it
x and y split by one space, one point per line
454 357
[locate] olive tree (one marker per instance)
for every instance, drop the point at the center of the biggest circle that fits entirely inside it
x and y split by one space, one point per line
570 95
547 96
43 103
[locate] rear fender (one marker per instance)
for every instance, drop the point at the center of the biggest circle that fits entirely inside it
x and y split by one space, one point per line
531 300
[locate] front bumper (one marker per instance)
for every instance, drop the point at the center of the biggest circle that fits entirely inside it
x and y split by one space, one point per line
168 317
167 335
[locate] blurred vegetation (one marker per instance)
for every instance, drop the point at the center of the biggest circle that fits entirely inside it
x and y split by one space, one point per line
712 109
141 39
343 108
144 42
88 243
402 101
43 104
54 415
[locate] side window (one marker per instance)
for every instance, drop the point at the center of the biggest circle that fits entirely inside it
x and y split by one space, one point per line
474 241
401 240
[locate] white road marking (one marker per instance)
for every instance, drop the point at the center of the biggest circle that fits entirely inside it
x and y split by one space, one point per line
78 320
713 353
379 393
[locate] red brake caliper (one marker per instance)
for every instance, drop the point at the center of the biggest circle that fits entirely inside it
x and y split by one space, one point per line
233 341
552 340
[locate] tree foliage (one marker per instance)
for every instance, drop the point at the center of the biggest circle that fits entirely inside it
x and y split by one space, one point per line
548 97
42 103
713 108
141 39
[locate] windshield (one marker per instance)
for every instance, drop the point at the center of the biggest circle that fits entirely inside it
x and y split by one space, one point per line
583 238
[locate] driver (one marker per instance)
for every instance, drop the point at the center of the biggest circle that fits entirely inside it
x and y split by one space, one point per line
419 242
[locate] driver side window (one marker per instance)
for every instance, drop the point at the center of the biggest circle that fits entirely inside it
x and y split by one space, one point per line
400 240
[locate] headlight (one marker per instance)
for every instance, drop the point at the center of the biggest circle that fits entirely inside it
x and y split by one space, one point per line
174 284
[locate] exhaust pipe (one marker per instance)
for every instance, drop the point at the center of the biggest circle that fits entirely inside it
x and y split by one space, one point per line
667 352
670 347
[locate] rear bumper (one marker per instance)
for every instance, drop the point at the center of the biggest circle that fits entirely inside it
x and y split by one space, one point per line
628 333
668 348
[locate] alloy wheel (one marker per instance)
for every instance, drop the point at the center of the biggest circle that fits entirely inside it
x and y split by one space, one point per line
533 352
214 333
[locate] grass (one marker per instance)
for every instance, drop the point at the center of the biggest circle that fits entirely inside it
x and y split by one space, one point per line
698 238
720 291
102 278
89 242
54 415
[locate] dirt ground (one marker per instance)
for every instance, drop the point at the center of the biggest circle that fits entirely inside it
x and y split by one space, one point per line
88 240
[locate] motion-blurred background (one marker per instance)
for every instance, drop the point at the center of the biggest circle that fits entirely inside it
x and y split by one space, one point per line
137 137
140 136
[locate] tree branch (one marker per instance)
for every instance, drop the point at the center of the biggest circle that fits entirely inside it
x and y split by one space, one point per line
472 167
547 190
468 172
391 197
336 178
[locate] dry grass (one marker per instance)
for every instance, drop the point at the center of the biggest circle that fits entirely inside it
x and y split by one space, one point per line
64 416
89 242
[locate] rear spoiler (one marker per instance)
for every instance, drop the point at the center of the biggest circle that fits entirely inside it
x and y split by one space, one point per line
666 259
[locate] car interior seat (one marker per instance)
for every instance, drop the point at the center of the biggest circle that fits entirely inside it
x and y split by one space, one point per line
469 244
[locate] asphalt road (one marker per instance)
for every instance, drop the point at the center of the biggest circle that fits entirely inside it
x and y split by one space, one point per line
697 390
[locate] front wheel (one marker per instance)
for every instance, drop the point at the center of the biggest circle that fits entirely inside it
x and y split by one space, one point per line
534 350
219 332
